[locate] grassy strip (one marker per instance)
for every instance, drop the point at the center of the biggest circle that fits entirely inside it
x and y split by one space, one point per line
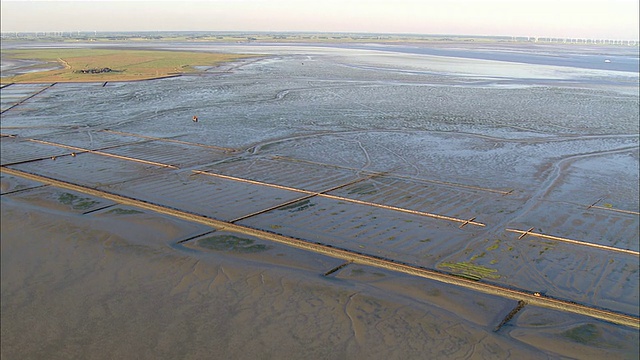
125 65
471 271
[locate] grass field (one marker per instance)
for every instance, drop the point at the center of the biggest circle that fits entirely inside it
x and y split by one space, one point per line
126 65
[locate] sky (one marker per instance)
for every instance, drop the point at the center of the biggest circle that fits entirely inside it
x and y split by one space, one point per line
598 19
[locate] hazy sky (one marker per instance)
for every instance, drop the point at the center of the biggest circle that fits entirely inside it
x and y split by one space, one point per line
604 19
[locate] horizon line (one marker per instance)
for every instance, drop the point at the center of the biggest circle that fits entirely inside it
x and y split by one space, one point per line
399 34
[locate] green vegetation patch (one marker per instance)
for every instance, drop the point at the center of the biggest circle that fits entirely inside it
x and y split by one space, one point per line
496 244
76 202
119 211
478 256
123 64
584 334
471 271
232 243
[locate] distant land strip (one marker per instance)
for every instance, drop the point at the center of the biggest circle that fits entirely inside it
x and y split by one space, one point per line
104 65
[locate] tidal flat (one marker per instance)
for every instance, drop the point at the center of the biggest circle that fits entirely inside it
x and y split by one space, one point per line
431 156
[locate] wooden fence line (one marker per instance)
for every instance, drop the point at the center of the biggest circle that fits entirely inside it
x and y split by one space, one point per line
345 199
571 241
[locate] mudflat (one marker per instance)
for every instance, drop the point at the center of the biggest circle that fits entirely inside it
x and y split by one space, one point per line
450 164
114 285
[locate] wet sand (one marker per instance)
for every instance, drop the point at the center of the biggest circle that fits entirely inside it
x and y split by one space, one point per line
105 286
